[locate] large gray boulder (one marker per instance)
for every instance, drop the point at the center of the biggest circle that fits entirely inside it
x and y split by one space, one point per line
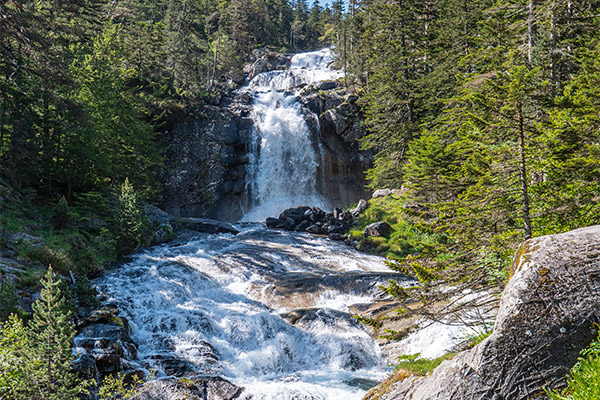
197 388
546 317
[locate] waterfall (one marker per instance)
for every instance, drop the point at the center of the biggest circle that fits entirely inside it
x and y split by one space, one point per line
271 311
285 158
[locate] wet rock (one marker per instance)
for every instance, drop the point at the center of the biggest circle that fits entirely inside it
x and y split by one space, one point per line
302 226
336 236
337 212
272 222
547 315
266 60
104 337
360 208
171 365
297 214
314 229
335 229
107 363
380 228
206 225
326 85
85 366
162 234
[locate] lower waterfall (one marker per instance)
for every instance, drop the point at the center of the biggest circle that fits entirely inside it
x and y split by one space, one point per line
271 311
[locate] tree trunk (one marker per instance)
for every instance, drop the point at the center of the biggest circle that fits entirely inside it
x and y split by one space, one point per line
530 32
523 175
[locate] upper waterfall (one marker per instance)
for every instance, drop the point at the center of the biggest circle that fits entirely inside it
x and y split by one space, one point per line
284 157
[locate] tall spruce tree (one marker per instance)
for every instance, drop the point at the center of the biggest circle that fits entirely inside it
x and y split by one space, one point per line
49 357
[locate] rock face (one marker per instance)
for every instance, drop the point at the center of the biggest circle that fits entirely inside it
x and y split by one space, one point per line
205 164
546 317
104 344
334 117
265 59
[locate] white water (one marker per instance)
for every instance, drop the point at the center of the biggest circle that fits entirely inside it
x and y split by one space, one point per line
283 171
233 292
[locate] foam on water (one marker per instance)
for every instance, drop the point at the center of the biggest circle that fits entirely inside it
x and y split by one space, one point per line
201 301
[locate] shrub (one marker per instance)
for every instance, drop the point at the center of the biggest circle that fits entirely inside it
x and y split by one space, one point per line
9 300
61 216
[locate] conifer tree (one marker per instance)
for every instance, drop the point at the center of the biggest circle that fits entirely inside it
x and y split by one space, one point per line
129 220
49 357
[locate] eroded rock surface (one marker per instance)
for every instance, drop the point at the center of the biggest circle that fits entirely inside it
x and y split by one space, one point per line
199 388
546 317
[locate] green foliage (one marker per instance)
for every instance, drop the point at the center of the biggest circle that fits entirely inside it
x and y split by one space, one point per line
13 347
369 321
50 335
61 217
420 366
584 379
85 292
129 220
9 300
114 387
35 361
47 256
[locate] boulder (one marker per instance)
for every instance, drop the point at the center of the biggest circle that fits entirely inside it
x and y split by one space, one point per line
206 225
360 208
314 229
272 222
336 236
326 85
200 388
547 315
381 193
297 214
336 121
303 225
380 228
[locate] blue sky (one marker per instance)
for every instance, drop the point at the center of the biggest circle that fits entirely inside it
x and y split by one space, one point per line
322 2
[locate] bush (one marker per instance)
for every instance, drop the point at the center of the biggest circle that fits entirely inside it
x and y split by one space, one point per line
47 256
9 300
61 216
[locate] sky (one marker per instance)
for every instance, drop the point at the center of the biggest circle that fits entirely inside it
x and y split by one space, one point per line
322 2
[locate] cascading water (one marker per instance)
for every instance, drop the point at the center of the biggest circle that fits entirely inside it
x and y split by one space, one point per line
283 171
268 310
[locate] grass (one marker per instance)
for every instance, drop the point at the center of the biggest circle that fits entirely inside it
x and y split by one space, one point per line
420 366
583 382
411 234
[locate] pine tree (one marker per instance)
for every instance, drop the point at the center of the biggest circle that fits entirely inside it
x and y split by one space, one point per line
49 356
129 220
